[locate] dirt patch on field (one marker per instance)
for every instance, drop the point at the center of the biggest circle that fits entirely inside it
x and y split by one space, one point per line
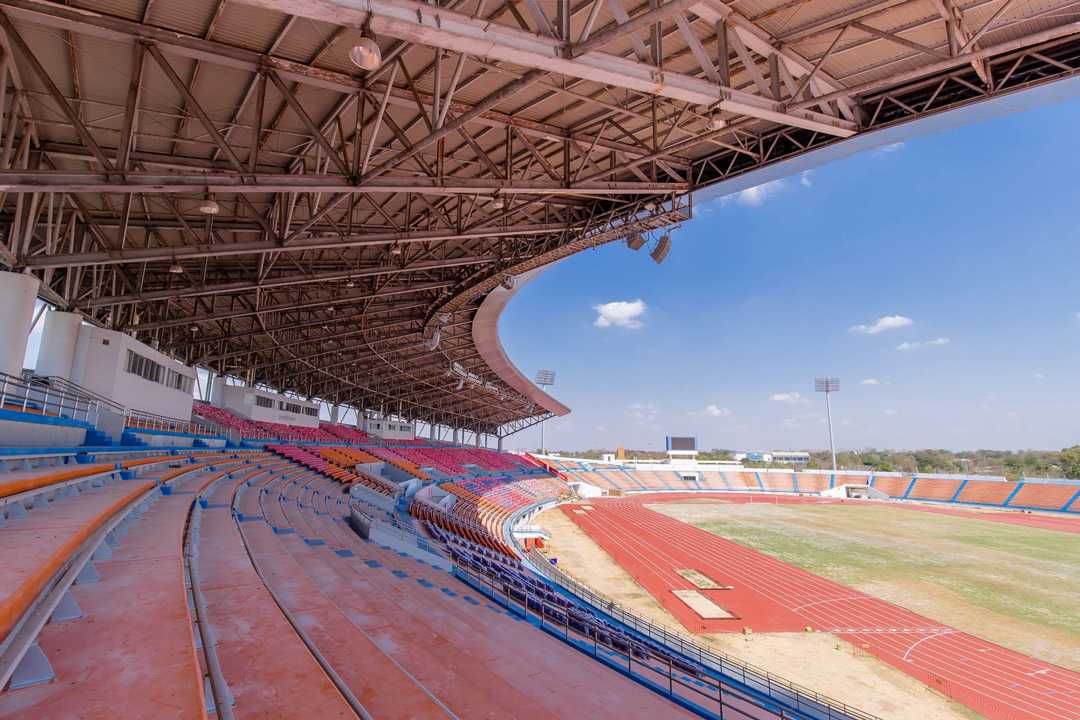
810 659
1013 585
835 668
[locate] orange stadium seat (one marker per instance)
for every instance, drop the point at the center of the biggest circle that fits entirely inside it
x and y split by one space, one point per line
934 489
1045 496
812 482
986 492
891 485
777 481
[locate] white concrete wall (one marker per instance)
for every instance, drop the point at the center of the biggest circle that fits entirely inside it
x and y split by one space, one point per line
18 293
100 366
390 429
59 338
29 434
241 400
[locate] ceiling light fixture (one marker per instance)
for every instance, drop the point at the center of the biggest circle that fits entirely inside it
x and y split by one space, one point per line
209 206
365 54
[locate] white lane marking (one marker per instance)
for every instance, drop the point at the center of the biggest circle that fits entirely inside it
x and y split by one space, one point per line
928 637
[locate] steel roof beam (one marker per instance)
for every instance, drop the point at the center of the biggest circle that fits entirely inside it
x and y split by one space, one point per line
24 181
438 27
246 286
117 29
315 242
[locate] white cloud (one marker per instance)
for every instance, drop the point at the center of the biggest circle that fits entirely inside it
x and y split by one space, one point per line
1078 316
936 342
1039 376
642 412
890 412
888 149
791 398
714 410
755 196
620 313
870 381
804 178
883 323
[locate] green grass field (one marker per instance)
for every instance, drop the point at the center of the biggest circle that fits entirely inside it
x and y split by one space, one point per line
1014 585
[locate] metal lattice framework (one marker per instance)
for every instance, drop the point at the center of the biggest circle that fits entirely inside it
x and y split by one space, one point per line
362 215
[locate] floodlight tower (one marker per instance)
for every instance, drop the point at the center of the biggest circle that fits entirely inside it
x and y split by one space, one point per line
828 385
545 379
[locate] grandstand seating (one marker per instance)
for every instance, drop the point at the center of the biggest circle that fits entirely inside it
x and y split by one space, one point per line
483 504
334 464
934 489
229 421
986 492
742 480
812 482
346 433
712 480
388 455
778 481
891 485
260 430
1045 496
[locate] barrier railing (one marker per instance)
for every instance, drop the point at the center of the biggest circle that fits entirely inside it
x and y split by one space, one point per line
140 420
52 397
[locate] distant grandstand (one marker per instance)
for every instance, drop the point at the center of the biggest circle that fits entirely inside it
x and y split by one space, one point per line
1027 494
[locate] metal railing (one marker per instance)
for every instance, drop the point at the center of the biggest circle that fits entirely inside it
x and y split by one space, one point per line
54 397
140 420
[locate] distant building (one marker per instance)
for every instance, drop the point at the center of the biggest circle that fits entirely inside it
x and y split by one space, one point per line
789 457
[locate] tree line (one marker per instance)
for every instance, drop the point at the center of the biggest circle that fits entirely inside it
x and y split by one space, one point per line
1012 464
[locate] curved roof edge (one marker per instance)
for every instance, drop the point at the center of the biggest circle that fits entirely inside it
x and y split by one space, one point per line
485 333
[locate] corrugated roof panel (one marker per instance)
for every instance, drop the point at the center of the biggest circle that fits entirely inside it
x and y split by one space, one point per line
127 9
249 27
190 16
304 40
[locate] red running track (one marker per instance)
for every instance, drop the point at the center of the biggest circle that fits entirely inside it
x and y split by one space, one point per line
766 593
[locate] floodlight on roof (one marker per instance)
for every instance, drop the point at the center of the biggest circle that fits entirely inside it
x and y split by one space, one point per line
545 378
365 54
176 268
209 206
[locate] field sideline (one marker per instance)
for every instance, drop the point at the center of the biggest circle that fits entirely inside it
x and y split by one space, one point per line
773 595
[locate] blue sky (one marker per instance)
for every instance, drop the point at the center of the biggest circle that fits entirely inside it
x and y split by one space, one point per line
966 240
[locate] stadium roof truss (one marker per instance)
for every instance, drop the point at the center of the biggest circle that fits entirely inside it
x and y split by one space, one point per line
359 214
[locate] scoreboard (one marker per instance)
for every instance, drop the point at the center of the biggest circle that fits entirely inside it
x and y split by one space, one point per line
682 444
